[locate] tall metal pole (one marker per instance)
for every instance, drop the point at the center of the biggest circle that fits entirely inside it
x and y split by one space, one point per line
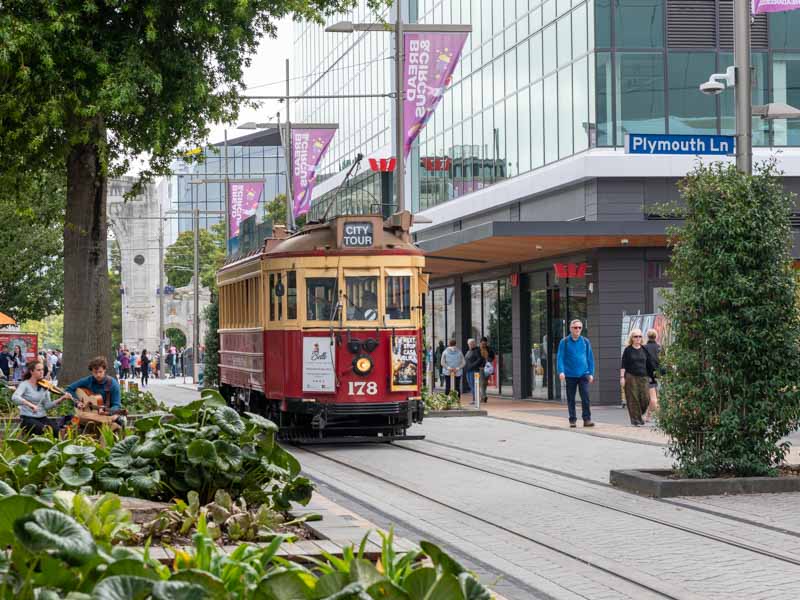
161 288
227 200
744 101
288 153
196 312
399 127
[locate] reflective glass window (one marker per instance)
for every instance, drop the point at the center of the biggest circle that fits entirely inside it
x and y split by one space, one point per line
579 43
691 112
548 12
639 23
523 64
564 28
786 89
562 6
320 298
510 71
783 28
565 112
291 295
536 57
512 154
580 111
525 122
398 297
758 61
362 298
476 310
549 50
640 93
536 19
537 125
604 98
551 119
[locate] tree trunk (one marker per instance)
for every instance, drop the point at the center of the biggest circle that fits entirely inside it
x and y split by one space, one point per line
87 312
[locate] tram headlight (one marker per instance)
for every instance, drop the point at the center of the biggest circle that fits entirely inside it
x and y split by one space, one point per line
362 365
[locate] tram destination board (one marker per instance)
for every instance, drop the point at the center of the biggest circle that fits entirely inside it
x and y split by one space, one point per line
358 234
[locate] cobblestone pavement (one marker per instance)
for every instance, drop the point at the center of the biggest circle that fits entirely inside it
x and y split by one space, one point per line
571 539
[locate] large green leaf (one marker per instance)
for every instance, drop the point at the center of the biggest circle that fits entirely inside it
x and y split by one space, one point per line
229 421
6 490
130 567
285 460
40 443
212 584
419 582
386 590
230 453
331 583
472 588
201 452
179 590
145 484
441 559
123 587
121 455
261 422
149 421
445 588
288 585
75 477
109 480
353 591
212 398
149 449
48 529
15 507
76 450
17 447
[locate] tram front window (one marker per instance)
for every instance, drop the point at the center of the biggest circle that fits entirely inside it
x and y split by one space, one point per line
398 297
320 298
362 298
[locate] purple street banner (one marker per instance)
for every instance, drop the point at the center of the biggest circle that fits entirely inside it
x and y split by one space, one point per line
243 198
308 148
770 6
430 59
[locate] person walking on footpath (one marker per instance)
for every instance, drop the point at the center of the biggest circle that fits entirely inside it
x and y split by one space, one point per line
473 363
145 368
653 350
488 359
635 373
452 366
576 367
437 360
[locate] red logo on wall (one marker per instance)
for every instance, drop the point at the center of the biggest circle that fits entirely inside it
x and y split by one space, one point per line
571 270
383 165
432 163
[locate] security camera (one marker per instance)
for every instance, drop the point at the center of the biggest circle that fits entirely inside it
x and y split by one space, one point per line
712 88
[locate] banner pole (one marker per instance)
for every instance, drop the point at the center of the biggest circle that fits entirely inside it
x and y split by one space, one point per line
288 151
399 47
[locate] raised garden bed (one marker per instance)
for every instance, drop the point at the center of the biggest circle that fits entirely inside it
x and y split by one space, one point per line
662 483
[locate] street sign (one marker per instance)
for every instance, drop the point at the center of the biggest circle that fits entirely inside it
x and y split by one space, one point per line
653 143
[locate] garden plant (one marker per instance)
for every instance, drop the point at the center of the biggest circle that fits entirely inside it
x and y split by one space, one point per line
730 395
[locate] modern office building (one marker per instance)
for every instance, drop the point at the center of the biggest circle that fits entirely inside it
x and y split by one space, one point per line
537 215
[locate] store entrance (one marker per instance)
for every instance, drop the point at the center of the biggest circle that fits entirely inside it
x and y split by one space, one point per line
553 304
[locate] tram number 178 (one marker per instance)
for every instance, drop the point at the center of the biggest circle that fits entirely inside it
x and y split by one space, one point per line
361 388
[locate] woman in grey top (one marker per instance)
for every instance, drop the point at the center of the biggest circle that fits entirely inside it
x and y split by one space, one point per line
34 403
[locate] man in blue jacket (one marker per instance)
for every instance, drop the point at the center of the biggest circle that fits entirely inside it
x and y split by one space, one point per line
100 384
576 366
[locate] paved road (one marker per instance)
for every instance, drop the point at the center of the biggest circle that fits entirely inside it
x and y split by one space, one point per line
532 505
173 392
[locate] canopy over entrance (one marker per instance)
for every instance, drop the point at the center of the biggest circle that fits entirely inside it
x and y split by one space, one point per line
5 320
499 243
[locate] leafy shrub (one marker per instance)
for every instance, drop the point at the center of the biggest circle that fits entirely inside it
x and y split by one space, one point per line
730 393
138 402
440 400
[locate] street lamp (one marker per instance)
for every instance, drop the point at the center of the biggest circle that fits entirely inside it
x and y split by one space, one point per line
398 29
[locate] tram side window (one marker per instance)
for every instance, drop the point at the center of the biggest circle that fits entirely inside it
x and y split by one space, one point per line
275 301
362 298
320 298
272 296
398 297
291 295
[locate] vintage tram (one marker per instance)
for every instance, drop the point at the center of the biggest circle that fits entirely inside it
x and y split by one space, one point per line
322 331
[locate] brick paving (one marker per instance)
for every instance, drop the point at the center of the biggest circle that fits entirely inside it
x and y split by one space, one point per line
505 518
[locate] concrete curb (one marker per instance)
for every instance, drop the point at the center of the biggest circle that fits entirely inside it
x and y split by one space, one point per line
463 412
656 483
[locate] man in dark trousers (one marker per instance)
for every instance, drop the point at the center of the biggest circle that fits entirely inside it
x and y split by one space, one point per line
5 363
576 366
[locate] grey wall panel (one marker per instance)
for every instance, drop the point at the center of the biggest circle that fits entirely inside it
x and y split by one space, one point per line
564 205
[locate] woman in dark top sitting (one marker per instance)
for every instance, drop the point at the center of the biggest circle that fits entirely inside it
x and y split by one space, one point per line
653 349
635 373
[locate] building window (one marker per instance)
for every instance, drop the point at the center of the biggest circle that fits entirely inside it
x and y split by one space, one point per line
690 111
640 94
783 28
604 99
639 23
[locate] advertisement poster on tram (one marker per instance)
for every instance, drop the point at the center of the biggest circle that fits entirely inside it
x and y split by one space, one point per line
27 342
430 59
319 365
405 363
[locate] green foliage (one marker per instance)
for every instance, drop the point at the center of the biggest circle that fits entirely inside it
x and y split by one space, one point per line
176 337
139 402
730 393
50 330
179 258
440 400
115 293
31 231
211 369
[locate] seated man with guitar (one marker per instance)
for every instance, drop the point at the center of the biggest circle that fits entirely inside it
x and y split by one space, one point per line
98 396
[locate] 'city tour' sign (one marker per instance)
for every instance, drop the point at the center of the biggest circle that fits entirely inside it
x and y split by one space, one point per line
357 234
652 143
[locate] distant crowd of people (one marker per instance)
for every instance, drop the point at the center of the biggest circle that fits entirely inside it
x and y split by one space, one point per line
13 363
132 364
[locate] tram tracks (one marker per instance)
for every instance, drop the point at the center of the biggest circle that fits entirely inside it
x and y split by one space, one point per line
652 585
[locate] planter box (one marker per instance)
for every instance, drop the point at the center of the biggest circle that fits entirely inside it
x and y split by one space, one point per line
658 484
456 412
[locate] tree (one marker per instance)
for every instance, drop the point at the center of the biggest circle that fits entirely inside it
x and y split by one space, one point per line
31 230
211 368
730 392
276 211
87 84
115 292
179 257
50 330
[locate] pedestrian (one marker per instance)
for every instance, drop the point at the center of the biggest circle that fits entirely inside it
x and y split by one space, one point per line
437 360
135 364
145 367
52 359
488 355
34 403
6 363
18 359
473 363
635 372
653 350
576 367
125 364
452 364
173 356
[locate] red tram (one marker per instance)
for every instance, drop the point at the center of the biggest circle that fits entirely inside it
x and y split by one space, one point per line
322 331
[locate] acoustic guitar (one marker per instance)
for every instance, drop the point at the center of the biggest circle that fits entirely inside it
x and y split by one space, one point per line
93 410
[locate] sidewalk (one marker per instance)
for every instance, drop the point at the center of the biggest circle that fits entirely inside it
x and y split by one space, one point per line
610 421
